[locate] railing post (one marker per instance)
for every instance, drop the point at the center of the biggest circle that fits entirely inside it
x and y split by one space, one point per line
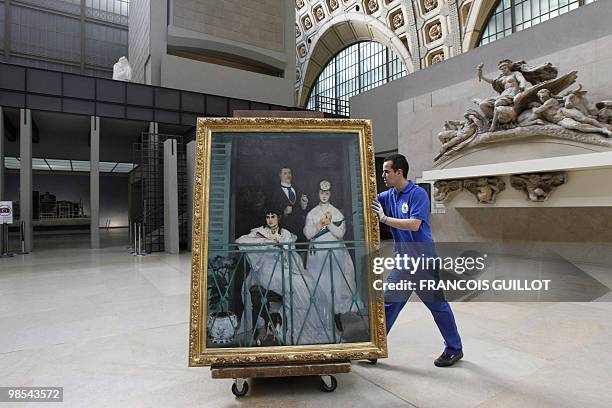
139 238
4 242
22 236
137 234
290 290
333 299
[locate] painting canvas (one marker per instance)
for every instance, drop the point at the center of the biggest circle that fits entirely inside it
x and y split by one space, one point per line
282 242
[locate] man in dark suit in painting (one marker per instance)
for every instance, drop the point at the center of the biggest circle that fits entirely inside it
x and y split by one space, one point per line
293 204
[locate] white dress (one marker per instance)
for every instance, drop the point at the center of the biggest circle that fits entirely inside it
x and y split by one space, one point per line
318 263
303 324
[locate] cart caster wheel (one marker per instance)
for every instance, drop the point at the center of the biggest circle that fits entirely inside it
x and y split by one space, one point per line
328 383
242 391
373 361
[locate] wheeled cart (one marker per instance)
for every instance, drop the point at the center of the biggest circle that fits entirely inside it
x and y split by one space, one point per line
240 374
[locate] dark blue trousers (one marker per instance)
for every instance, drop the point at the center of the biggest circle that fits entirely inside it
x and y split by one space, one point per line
439 308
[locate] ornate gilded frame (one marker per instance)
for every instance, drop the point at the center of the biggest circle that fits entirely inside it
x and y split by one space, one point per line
199 354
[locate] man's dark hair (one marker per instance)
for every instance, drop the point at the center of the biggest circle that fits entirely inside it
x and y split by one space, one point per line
399 162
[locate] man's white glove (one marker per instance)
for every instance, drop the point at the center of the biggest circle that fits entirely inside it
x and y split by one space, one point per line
377 208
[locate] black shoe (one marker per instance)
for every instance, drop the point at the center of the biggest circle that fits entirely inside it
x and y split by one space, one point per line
447 360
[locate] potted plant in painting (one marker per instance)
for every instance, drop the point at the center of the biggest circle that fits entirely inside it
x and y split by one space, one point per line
222 322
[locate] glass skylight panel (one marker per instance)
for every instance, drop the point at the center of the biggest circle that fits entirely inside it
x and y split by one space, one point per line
11 163
59 164
14 163
123 168
107 167
80 165
516 15
39 164
353 70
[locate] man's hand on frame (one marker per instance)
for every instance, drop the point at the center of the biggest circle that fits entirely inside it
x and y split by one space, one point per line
377 208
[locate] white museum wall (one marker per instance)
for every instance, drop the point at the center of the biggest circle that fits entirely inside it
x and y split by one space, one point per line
198 76
230 28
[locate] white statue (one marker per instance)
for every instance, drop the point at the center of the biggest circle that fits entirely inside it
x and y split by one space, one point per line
512 85
122 70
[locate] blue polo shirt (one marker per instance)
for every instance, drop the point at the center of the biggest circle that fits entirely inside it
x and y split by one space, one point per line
411 202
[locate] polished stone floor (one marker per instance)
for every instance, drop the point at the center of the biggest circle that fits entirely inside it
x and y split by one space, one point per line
112 330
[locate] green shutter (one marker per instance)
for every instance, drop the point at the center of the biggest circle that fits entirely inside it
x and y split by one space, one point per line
219 199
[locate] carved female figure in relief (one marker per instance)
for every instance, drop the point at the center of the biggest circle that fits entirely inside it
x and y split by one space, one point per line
508 84
515 78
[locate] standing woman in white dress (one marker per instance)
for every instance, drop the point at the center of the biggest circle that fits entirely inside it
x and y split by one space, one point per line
325 225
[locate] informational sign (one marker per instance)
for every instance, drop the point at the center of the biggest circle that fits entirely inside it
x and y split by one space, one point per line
6 212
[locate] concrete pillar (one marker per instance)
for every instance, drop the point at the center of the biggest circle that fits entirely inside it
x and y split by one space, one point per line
2 173
171 226
25 175
191 147
153 138
152 144
153 127
2 170
94 182
158 38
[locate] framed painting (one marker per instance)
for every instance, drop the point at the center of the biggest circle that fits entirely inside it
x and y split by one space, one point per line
282 243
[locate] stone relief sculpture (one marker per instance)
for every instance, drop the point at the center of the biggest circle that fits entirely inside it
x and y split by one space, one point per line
512 85
435 32
333 4
437 58
604 113
485 189
122 71
538 187
446 190
429 5
529 102
569 117
456 132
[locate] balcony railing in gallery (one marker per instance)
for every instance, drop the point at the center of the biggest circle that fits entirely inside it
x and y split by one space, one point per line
335 106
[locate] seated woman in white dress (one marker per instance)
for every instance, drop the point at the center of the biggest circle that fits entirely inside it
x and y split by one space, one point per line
277 274
325 225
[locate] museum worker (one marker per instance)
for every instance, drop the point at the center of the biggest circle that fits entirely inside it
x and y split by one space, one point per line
405 208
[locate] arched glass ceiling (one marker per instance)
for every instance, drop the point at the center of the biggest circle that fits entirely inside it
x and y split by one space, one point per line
355 69
511 16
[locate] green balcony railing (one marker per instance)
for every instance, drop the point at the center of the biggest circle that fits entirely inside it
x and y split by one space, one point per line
273 299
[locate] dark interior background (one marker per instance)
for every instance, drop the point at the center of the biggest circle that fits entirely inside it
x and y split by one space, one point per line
257 160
